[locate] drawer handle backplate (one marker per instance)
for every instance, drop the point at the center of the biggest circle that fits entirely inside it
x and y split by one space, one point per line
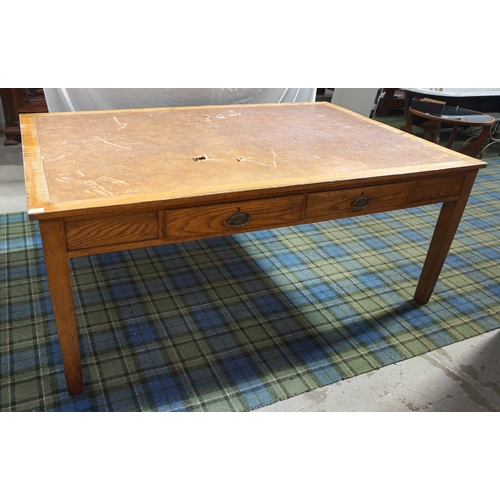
361 202
238 219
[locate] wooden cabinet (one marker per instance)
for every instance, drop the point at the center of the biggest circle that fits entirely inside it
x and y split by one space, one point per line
392 99
15 102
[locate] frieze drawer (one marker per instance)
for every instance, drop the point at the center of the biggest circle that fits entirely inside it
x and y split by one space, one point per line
438 189
358 201
228 218
111 230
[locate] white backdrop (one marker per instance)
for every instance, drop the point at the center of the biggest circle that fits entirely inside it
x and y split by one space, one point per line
68 99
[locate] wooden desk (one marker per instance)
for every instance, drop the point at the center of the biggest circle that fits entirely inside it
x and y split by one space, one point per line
114 180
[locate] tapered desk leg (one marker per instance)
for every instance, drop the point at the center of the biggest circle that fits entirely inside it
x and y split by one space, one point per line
446 227
58 275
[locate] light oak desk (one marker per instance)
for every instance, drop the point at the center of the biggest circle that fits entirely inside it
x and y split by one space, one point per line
103 181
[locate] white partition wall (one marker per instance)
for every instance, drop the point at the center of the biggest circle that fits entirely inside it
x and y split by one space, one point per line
361 101
68 99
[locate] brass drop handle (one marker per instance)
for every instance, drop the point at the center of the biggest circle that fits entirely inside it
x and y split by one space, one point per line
238 219
361 202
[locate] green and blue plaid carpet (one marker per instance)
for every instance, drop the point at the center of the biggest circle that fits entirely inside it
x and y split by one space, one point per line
236 323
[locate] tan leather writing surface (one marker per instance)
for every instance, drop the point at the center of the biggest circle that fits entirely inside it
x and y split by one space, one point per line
176 152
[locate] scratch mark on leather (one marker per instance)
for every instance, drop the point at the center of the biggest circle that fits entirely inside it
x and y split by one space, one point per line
111 144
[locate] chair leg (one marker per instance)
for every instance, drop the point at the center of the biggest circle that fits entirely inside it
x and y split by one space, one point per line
475 147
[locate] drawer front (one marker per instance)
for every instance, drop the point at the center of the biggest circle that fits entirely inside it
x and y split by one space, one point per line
104 231
437 189
229 218
358 201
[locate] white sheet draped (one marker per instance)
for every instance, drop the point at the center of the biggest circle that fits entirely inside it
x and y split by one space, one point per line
69 99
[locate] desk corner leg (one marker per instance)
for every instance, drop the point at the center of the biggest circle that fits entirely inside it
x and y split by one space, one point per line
61 292
446 227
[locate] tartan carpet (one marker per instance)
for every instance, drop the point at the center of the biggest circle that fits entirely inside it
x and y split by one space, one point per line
236 323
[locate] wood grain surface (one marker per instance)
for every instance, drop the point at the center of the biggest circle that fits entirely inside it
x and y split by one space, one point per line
121 157
113 180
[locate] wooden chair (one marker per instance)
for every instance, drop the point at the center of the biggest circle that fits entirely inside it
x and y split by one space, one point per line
454 117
